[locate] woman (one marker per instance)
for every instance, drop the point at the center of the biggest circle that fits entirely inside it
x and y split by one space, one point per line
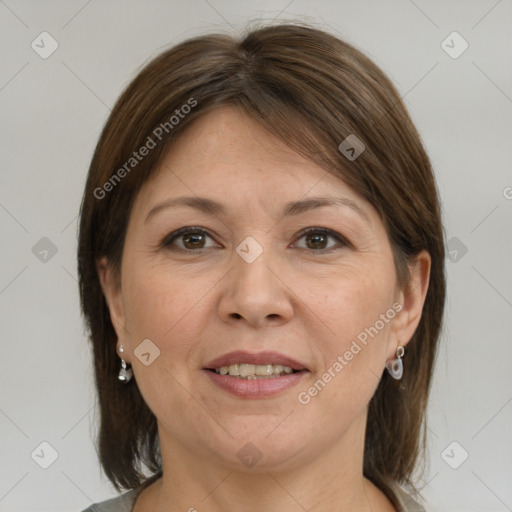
261 265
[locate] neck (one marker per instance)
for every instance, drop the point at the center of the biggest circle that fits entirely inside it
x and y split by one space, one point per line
332 480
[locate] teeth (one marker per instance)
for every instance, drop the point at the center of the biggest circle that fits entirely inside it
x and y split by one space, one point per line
254 371
267 369
247 369
233 369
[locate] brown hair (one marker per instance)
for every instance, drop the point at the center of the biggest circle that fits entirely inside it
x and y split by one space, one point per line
311 90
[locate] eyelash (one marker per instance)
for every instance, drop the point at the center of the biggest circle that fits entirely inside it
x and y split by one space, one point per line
169 239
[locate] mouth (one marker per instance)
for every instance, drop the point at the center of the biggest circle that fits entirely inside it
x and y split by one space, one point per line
250 371
255 375
247 365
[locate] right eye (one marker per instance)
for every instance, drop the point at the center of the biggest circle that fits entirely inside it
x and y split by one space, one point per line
192 238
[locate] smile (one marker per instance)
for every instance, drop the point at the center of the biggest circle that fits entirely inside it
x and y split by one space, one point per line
253 371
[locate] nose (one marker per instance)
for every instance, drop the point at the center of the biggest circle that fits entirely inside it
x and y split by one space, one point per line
256 292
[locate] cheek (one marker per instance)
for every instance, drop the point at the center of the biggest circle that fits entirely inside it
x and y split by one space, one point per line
354 300
358 311
161 307
158 302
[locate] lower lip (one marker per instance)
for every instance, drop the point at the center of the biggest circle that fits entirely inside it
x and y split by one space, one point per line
255 388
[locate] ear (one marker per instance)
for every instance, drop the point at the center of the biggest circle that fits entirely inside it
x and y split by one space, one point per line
412 299
111 286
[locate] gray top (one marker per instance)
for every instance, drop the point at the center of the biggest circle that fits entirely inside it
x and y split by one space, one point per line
125 502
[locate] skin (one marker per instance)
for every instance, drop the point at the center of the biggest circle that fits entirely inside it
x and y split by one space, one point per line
198 304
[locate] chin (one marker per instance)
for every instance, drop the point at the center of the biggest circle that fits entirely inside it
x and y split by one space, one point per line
262 448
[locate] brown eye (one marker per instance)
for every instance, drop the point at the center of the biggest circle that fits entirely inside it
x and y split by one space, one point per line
317 239
191 239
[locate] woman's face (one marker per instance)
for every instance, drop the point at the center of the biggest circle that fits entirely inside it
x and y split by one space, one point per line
248 279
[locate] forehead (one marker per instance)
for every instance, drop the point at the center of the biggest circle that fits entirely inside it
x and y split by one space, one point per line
228 152
228 142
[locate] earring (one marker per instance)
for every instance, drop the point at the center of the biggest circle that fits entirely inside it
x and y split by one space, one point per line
396 367
125 373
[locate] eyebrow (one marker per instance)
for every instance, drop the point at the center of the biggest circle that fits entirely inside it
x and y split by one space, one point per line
212 207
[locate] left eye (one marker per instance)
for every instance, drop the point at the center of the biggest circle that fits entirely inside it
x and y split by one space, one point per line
317 238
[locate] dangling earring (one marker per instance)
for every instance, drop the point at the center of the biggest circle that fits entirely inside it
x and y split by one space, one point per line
125 373
395 367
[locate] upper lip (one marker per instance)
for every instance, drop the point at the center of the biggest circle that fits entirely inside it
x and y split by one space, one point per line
257 358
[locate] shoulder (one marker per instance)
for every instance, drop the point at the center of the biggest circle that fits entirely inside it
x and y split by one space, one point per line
121 503
406 501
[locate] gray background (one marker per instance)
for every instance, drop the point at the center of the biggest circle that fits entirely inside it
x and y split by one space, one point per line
52 111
